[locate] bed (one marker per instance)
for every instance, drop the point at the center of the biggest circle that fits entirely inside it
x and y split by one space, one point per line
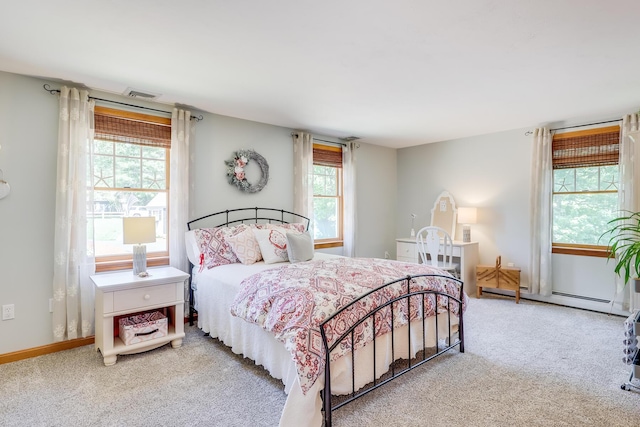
381 316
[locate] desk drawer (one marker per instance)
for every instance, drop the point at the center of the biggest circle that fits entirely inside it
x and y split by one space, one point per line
407 250
143 297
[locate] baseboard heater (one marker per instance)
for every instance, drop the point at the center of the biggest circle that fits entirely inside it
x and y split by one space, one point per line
562 294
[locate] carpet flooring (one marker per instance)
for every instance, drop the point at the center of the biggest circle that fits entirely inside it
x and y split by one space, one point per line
527 364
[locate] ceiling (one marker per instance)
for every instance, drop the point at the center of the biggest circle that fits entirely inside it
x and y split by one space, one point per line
397 74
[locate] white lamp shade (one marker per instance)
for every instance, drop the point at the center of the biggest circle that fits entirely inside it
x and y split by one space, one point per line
467 215
138 230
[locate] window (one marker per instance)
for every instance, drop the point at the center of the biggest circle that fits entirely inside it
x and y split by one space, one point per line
130 178
327 196
585 189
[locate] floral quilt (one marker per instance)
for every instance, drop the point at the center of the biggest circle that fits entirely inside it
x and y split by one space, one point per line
293 300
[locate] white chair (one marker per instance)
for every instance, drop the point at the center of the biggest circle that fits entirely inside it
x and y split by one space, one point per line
435 248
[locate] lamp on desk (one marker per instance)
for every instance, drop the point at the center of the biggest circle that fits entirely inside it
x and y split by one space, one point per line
467 216
137 231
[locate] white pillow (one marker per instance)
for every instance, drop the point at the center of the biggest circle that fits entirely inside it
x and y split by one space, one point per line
193 250
273 244
299 247
245 246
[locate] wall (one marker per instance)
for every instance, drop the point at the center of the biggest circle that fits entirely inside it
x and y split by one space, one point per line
492 172
376 180
28 136
28 140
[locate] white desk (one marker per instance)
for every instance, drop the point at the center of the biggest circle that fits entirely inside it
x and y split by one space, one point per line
464 254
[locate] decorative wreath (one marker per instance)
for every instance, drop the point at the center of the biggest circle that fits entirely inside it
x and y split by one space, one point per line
236 175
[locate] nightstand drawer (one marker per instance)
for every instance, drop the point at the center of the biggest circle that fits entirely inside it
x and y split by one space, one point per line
143 297
406 250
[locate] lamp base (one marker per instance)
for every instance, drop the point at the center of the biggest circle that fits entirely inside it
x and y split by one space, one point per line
139 259
466 234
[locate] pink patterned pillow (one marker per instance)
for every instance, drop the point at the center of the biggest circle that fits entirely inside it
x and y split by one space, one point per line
214 246
295 226
245 246
273 244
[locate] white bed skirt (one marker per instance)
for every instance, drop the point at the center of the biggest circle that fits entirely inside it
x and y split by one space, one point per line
250 340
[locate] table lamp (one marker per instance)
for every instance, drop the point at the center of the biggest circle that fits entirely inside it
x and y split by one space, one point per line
467 216
137 231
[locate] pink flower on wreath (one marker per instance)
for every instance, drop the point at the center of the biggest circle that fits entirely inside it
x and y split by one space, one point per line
241 161
239 172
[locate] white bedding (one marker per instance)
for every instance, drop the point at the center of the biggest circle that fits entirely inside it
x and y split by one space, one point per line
216 288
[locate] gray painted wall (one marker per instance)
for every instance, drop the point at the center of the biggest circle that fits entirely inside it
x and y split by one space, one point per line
492 172
28 140
28 136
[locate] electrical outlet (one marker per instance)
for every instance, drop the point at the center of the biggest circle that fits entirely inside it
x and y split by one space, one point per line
8 312
386 254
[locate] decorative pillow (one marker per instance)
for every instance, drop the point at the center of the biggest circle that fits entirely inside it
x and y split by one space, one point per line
193 250
273 244
214 246
299 247
245 246
295 226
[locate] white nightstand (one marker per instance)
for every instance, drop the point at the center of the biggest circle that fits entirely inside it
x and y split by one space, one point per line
123 293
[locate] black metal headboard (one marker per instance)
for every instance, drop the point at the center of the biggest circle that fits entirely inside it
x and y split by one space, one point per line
230 217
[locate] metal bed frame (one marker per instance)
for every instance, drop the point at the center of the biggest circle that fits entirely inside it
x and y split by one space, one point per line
242 216
398 367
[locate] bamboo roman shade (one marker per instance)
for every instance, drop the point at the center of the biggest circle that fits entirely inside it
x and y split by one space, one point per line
327 156
132 128
593 147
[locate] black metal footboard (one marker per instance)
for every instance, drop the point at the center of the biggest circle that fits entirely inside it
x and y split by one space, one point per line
419 297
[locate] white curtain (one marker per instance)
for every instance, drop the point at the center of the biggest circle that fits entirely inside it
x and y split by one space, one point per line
181 137
74 262
629 197
541 194
349 198
302 171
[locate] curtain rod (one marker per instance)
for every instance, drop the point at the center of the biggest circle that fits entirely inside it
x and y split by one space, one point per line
588 124
54 91
348 139
527 133
330 142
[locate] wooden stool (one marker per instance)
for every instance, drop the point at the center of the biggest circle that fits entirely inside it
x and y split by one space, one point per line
498 277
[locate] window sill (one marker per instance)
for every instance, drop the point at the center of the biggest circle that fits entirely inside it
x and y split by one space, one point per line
581 251
325 245
102 266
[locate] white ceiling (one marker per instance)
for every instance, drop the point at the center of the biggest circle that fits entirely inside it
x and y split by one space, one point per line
394 73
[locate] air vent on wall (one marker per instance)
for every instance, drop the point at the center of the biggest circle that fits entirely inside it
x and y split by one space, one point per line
134 93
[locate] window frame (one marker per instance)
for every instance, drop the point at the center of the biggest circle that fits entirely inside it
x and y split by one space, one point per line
154 259
599 251
338 241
